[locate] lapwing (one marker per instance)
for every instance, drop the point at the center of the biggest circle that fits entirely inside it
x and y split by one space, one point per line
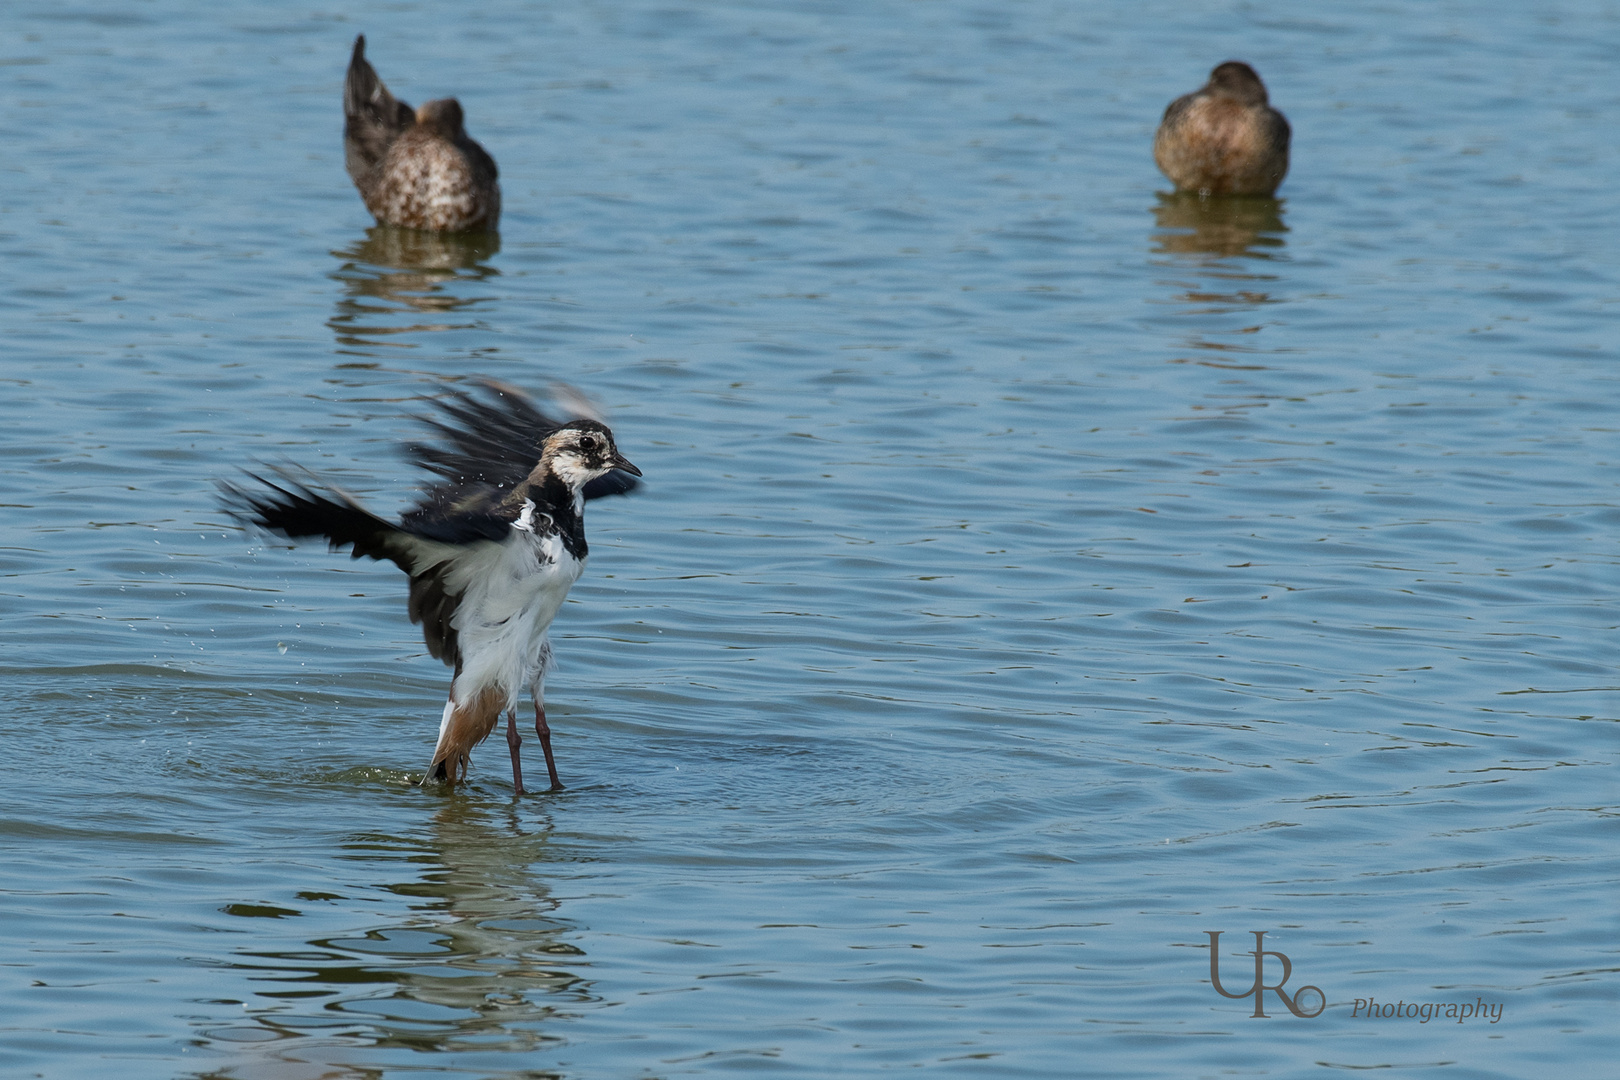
491 547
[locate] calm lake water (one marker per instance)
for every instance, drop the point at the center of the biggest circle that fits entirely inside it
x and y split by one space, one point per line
1034 572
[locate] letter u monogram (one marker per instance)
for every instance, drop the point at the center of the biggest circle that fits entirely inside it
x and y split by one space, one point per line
1258 988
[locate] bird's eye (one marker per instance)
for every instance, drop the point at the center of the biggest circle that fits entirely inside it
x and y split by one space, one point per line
589 442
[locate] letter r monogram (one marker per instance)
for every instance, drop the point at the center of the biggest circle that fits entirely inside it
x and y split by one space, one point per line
1259 987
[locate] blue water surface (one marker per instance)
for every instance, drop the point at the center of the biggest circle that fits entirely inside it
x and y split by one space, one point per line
1035 572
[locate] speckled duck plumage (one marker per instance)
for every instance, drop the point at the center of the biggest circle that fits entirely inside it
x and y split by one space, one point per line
1224 138
416 169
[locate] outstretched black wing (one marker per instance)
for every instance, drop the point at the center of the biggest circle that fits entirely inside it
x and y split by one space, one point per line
298 511
485 447
372 118
493 441
438 563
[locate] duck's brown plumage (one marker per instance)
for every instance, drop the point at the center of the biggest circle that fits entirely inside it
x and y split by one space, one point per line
417 169
1224 138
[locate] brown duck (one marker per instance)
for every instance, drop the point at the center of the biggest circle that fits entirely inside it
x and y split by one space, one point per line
1224 138
416 169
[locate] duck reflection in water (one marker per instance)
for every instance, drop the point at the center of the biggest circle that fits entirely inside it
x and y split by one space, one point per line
409 270
1225 227
475 957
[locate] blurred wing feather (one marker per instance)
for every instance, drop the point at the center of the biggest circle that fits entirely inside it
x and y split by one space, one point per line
494 441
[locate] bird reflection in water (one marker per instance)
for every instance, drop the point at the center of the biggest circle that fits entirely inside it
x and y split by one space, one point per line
1224 255
412 272
1229 226
476 962
1214 236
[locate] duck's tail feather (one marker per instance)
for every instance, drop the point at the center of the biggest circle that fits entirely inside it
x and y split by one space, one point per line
372 118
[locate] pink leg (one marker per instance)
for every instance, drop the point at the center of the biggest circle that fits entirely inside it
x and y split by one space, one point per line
513 741
544 731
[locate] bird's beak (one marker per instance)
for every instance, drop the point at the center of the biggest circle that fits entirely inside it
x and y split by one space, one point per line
619 462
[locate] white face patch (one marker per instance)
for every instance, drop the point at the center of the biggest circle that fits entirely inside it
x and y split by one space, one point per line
572 470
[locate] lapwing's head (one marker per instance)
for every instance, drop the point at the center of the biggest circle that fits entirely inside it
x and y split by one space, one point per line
579 452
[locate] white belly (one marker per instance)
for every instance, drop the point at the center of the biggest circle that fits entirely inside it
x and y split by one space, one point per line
513 591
